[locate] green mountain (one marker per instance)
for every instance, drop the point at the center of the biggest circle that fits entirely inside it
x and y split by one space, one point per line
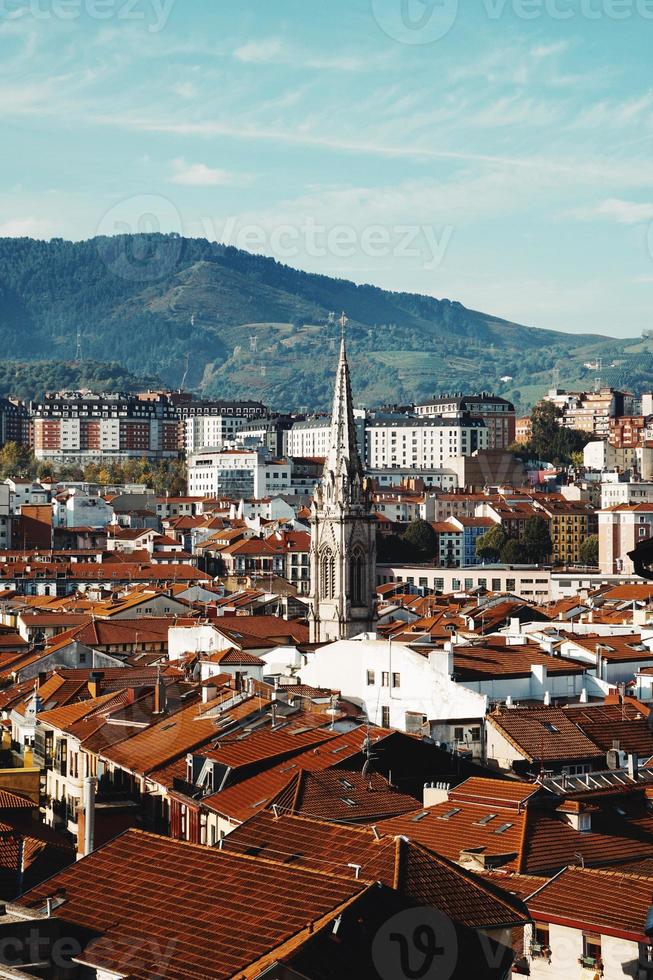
229 324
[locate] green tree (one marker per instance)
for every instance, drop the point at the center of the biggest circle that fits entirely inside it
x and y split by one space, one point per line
537 542
589 551
545 427
513 553
490 544
422 539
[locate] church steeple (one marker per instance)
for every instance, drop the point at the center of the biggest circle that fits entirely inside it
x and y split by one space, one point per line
343 445
343 540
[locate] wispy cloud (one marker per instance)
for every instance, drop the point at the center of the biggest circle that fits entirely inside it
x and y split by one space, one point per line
199 174
29 227
617 210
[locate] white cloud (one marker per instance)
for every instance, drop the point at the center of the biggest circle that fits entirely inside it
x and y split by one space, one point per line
625 212
26 228
261 52
199 175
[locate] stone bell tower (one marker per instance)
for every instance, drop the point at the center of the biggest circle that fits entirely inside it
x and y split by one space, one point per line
343 534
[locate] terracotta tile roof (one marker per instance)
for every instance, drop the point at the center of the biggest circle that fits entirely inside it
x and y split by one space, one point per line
544 734
550 842
14 801
422 875
614 724
67 715
450 828
219 912
237 658
343 794
503 793
494 657
175 735
607 902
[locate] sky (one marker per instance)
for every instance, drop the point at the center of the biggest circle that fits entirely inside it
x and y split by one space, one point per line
494 152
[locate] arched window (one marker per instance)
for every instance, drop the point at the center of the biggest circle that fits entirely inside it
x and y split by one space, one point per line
328 574
358 578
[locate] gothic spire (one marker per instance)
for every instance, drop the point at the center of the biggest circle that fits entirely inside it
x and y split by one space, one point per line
343 447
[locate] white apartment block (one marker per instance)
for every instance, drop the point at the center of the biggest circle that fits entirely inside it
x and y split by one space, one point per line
238 473
211 431
626 493
423 443
309 439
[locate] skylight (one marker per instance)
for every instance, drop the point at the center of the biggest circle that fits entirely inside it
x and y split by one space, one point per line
550 728
502 829
420 816
486 819
450 813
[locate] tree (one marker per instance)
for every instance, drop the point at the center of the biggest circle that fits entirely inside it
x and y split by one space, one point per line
589 551
513 553
544 427
490 544
422 540
536 542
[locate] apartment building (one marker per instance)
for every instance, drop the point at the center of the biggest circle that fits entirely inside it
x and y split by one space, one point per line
80 427
621 528
309 438
498 414
423 443
591 411
238 473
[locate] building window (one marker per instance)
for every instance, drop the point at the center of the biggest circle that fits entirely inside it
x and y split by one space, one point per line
385 679
370 678
396 680
328 574
591 958
385 716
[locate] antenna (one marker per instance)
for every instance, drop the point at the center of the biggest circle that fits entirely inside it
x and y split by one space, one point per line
343 321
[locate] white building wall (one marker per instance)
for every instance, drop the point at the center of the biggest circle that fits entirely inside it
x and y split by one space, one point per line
425 686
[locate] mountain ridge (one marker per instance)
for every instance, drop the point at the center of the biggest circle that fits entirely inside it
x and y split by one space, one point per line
233 324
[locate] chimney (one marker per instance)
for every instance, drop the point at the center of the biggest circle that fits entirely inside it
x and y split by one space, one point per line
209 691
90 785
583 696
42 678
94 679
633 766
547 698
273 709
159 696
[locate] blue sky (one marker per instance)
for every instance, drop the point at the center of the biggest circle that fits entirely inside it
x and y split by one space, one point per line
496 152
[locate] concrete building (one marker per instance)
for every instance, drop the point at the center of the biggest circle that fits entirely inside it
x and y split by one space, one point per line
81 427
621 529
497 414
424 443
238 473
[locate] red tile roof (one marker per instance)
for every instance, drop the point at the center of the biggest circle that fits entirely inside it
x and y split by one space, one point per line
216 911
607 902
